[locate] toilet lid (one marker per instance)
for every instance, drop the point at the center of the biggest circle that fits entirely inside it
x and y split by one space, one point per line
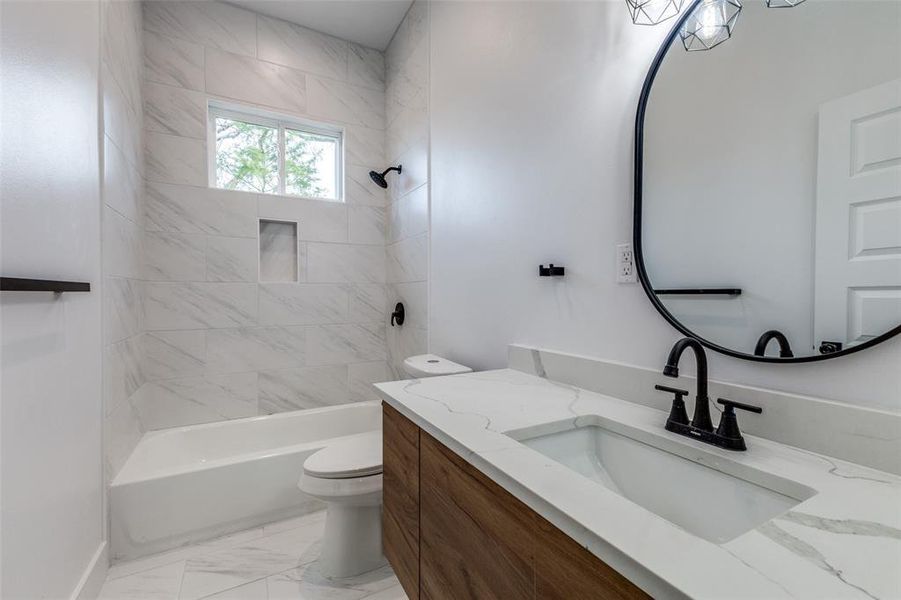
358 456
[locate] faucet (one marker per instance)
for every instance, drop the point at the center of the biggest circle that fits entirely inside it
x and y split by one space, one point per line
701 419
785 350
727 435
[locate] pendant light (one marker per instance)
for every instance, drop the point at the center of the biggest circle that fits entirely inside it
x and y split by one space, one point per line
782 3
652 12
710 24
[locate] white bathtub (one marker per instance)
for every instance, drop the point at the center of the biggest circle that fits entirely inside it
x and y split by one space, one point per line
192 483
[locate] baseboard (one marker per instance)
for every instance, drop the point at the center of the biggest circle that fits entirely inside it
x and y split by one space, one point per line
92 579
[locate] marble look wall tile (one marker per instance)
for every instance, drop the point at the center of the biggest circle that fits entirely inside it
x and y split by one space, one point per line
122 374
297 389
174 256
416 170
415 297
171 61
121 433
199 305
408 260
193 400
174 354
123 308
359 188
361 376
404 342
369 303
343 263
231 259
279 259
213 24
344 102
122 246
121 29
366 67
123 186
317 220
339 344
409 36
175 111
304 304
409 215
121 123
294 46
251 80
367 224
174 159
365 147
190 209
254 348
408 129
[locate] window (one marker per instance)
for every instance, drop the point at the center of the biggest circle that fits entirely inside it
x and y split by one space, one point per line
254 152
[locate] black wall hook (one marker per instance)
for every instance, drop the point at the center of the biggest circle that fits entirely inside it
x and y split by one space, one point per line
550 271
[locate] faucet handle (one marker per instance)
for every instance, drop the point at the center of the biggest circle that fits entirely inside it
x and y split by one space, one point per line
728 434
730 404
677 414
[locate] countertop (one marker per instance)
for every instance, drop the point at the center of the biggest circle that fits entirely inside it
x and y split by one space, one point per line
844 542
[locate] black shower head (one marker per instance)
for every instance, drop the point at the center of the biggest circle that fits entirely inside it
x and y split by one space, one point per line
379 178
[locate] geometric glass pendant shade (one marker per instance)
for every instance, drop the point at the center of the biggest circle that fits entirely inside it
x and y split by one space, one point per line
783 3
710 24
652 12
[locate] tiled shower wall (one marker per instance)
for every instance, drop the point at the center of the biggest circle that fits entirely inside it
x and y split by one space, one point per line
407 108
218 343
122 247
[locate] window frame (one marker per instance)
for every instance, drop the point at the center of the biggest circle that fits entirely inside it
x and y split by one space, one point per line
281 123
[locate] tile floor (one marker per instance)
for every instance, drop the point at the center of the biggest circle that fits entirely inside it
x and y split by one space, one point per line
273 562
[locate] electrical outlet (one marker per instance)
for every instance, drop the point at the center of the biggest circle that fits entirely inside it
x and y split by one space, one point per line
625 264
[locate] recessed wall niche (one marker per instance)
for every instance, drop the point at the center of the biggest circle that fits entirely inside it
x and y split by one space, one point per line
278 251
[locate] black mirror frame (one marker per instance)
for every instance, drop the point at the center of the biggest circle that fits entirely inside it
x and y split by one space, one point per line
636 223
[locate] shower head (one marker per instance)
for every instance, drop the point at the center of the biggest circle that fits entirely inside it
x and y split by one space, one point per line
379 178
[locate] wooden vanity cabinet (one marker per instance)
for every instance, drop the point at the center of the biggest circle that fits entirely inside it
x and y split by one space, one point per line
451 533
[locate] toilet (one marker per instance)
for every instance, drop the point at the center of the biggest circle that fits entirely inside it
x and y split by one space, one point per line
347 476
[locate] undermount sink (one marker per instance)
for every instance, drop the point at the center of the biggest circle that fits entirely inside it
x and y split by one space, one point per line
667 477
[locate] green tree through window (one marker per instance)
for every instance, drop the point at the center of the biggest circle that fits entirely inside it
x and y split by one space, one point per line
247 159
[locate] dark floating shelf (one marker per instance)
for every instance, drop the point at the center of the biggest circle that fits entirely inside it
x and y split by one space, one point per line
16 284
700 292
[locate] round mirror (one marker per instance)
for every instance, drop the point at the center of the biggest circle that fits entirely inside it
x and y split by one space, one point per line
768 176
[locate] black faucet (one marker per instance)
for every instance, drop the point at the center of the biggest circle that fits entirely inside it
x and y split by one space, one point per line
727 435
785 350
701 419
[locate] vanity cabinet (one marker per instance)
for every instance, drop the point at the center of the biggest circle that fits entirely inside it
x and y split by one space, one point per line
451 533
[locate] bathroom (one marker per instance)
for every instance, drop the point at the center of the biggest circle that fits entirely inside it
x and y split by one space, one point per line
394 299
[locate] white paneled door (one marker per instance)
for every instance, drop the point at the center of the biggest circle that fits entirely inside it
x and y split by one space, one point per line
858 218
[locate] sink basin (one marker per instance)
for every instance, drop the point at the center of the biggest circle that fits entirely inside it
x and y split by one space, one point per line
707 495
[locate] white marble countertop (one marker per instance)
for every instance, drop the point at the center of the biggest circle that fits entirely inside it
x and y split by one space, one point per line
844 542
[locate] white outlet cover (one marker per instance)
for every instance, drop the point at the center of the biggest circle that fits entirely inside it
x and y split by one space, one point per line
625 264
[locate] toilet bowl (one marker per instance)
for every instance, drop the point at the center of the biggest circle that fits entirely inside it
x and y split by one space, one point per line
347 476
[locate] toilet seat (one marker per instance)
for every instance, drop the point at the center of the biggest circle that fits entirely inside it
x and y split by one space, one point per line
359 456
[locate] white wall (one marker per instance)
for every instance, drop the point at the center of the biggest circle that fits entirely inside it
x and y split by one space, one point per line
50 410
532 108
731 157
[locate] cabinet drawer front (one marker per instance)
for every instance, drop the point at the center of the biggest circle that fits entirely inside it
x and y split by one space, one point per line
400 497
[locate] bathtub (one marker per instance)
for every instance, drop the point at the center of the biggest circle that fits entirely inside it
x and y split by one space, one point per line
187 484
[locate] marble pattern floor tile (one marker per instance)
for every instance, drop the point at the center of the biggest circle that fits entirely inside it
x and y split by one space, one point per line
277 561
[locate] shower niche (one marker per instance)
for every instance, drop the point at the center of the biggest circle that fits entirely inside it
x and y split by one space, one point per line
278 251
